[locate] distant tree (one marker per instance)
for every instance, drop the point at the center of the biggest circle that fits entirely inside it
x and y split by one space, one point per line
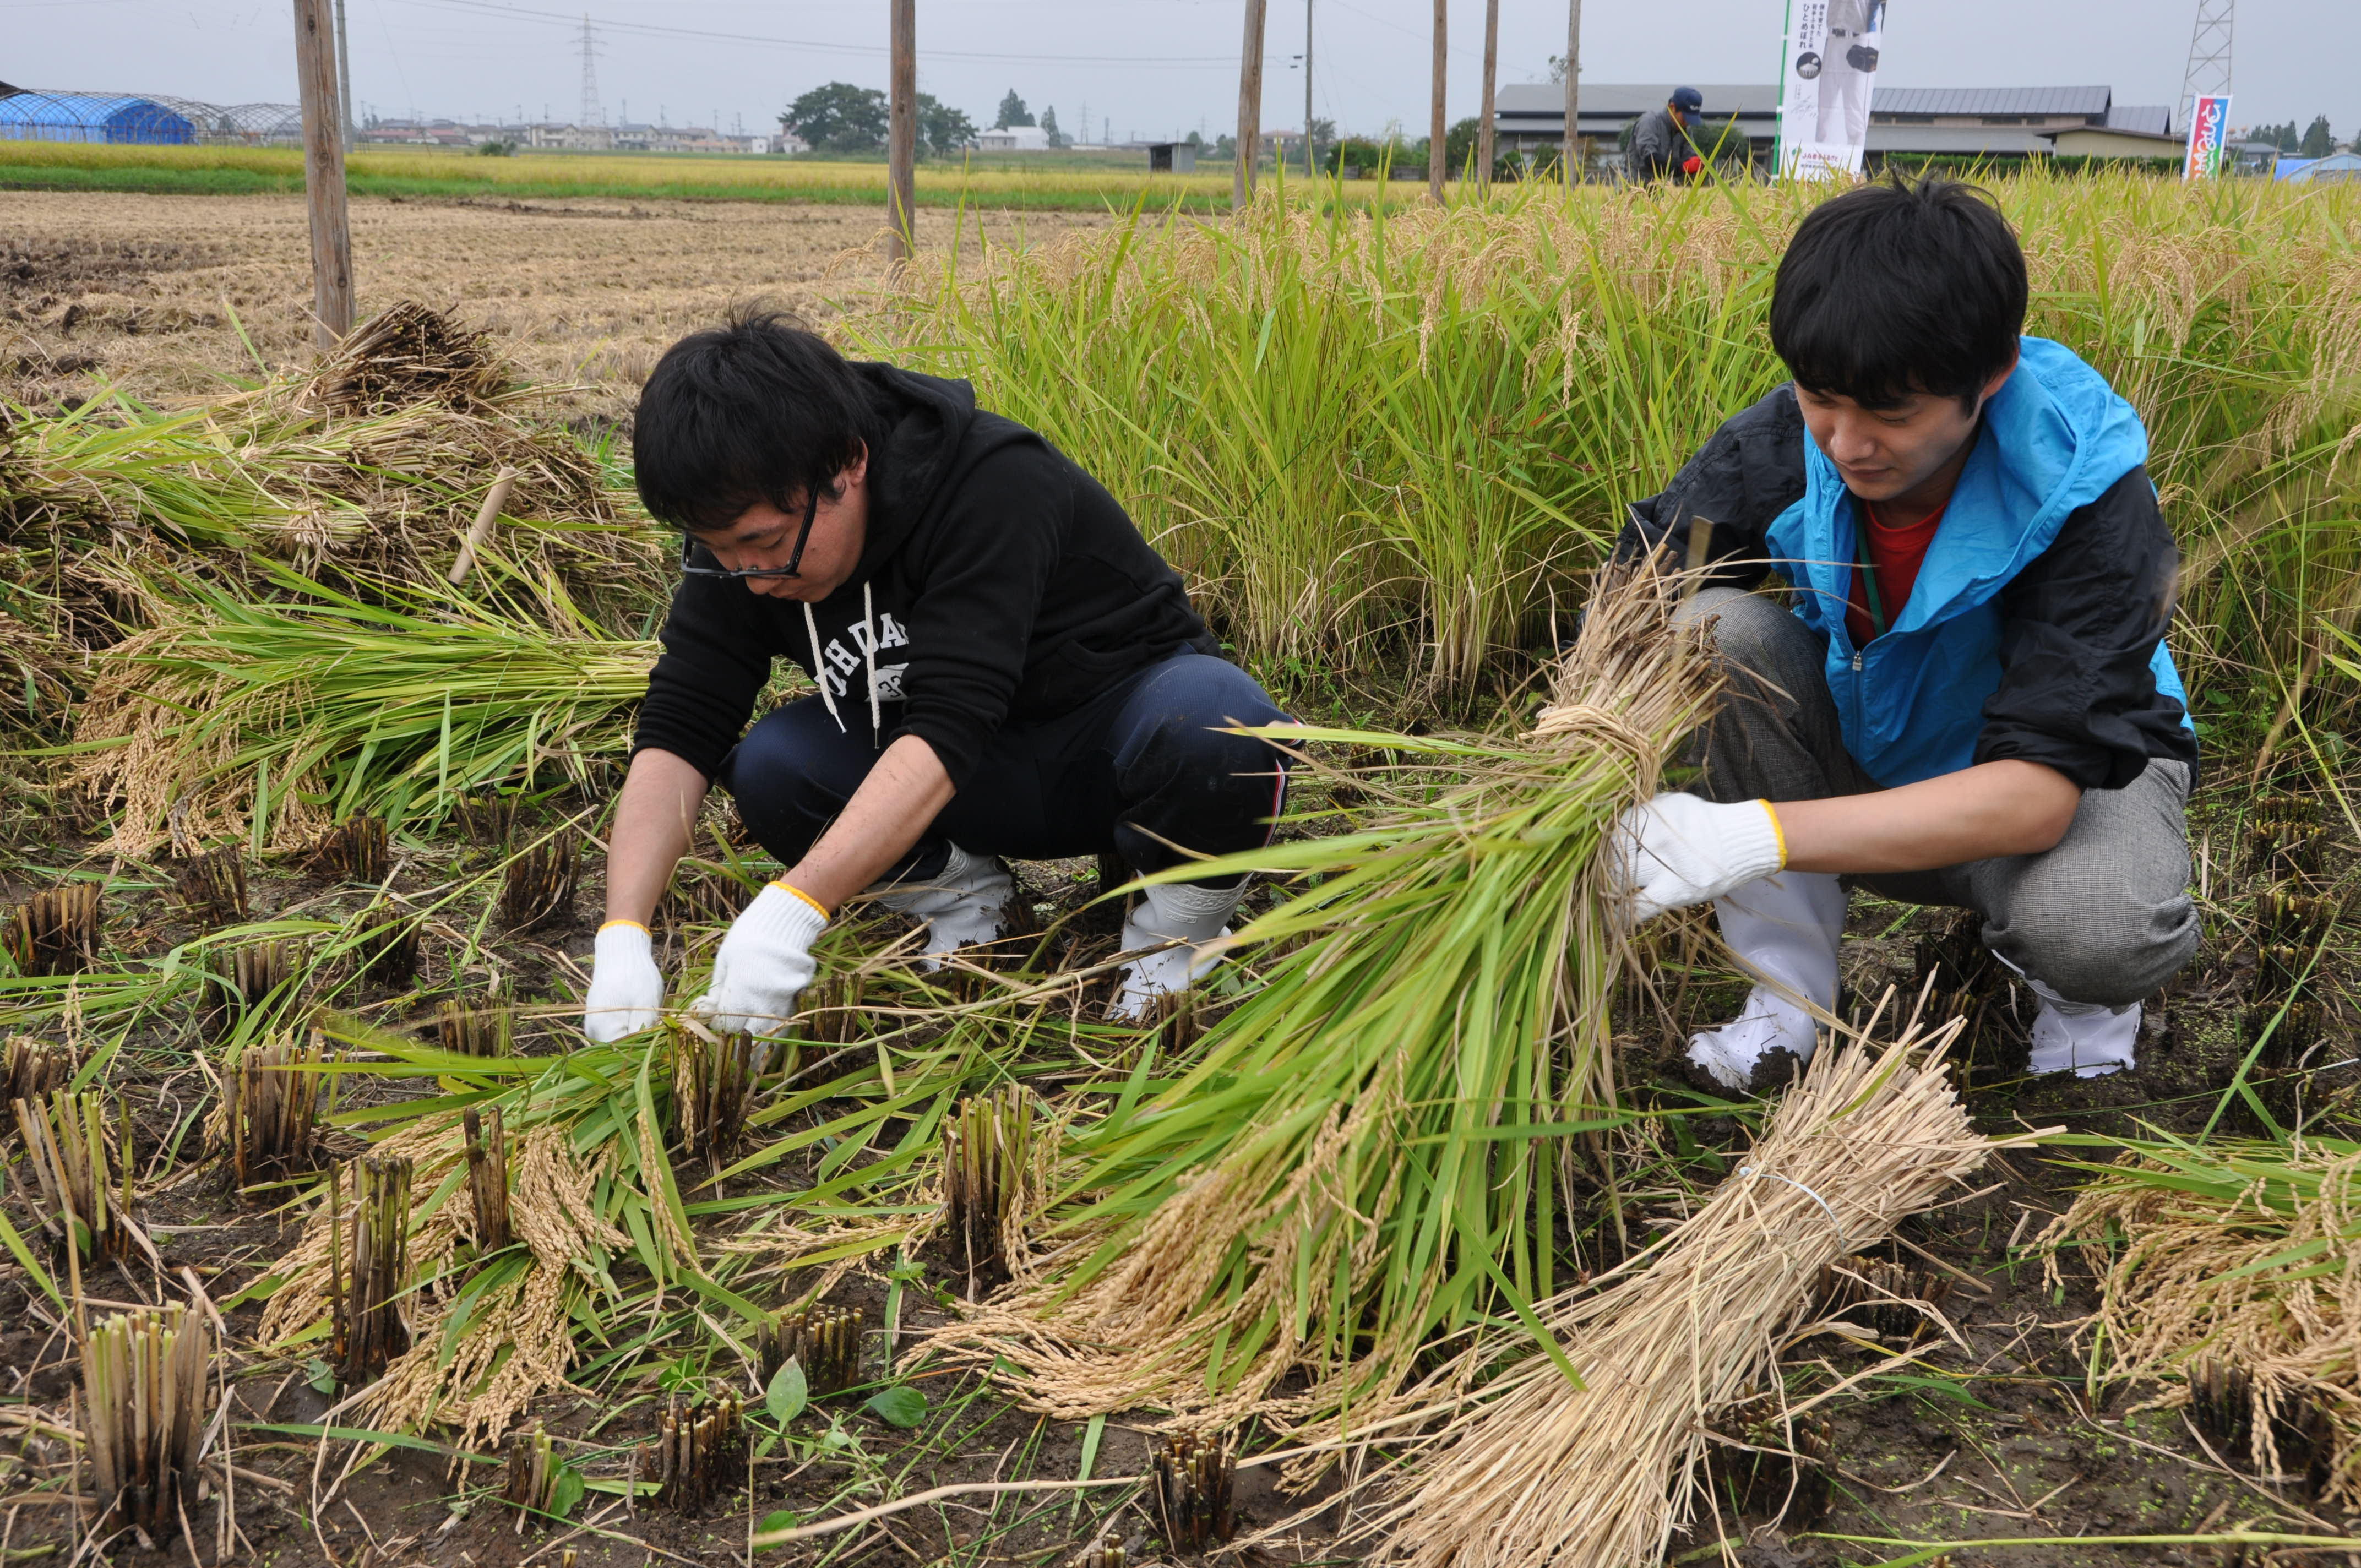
1557 69
1196 138
1013 112
942 130
1049 125
1459 146
2318 140
2287 137
1323 134
839 118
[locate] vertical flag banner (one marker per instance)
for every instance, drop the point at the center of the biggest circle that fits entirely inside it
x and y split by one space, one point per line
1826 73
2209 136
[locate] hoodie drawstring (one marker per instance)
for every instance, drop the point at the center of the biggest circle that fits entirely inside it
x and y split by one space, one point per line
869 662
820 666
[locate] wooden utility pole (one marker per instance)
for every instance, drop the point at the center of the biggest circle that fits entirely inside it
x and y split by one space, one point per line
1492 71
1438 133
323 172
1242 177
1570 154
902 135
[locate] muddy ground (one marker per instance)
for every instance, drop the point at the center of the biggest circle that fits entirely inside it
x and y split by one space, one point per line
150 293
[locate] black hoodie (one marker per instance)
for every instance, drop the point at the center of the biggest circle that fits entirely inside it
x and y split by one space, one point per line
999 582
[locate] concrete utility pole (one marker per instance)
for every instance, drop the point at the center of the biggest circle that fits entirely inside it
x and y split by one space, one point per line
1242 176
1438 131
1570 153
1491 73
324 174
902 135
345 80
1311 166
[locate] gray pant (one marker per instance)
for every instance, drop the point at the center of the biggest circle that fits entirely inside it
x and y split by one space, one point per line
2104 917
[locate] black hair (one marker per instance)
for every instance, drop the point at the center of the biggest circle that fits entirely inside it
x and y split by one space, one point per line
754 410
1897 288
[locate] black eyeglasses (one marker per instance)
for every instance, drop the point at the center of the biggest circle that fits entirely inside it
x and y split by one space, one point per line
794 557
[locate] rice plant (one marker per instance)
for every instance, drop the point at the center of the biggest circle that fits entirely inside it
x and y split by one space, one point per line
353 850
987 1168
33 1069
1195 1478
537 888
697 1454
824 1340
713 1085
270 1109
488 1178
213 886
368 1273
1327 1183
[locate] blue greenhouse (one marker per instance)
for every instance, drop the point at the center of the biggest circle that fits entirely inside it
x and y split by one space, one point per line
141 119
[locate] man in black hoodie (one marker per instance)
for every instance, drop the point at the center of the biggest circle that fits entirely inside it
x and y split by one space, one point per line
1005 668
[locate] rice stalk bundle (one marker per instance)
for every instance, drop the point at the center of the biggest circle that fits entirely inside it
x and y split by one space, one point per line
987 1165
353 850
2242 1253
1766 1463
147 1381
1108 1552
828 1012
56 931
1195 1478
259 973
824 1340
232 707
488 821
475 1031
34 1069
213 886
368 1277
1535 1469
1891 1297
391 946
537 888
1361 1155
84 1209
2285 845
713 1079
2227 1409
488 1179
697 1454
529 1471
270 1110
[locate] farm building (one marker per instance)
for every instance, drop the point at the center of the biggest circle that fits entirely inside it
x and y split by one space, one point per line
2004 124
141 119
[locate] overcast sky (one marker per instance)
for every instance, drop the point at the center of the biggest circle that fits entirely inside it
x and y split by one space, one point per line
1149 66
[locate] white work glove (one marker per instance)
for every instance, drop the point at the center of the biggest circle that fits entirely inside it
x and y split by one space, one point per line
626 988
1679 849
763 965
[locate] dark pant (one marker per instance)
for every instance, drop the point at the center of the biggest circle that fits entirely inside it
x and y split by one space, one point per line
1137 769
2105 917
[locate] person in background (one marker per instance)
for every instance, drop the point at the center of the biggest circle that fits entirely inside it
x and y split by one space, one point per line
1970 702
1661 147
1002 664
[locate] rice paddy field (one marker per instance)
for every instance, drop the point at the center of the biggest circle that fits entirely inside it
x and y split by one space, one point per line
327 1239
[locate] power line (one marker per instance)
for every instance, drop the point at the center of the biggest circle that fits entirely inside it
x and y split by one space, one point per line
658 29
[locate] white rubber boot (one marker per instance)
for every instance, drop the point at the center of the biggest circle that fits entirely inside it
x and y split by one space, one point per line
1181 922
1784 929
964 903
2089 1040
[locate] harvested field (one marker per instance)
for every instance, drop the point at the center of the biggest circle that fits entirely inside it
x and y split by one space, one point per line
308 845
142 289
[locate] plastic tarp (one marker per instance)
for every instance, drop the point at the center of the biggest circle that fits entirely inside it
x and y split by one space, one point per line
42 116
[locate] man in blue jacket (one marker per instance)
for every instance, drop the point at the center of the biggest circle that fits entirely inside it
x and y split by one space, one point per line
1966 699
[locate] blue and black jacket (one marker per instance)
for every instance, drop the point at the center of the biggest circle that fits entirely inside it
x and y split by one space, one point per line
2036 629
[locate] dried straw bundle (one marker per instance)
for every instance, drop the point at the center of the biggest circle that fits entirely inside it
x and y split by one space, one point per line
1327 1185
1533 1469
410 354
146 1386
2245 1253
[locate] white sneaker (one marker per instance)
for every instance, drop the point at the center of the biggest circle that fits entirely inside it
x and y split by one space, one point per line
1184 926
964 904
1784 928
2089 1040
